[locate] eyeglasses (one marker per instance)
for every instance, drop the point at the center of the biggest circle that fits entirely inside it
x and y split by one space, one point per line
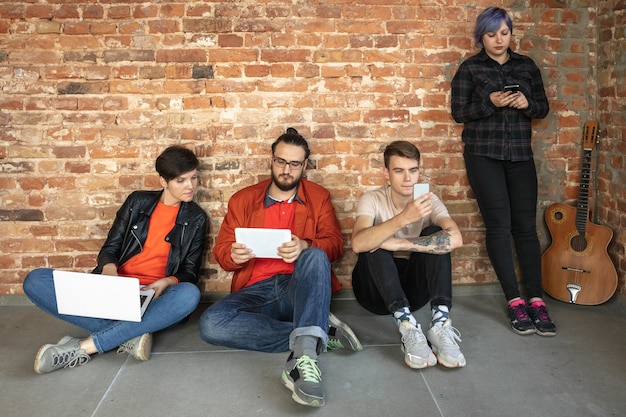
280 163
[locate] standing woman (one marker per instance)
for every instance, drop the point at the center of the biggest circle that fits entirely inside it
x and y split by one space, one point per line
499 160
158 237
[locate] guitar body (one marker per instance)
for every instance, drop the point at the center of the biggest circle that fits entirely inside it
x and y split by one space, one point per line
577 269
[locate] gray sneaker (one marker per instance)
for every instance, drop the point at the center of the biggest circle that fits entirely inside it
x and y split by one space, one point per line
340 335
65 354
140 347
304 378
443 338
417 353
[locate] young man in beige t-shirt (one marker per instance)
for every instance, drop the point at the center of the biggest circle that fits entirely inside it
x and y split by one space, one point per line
404 246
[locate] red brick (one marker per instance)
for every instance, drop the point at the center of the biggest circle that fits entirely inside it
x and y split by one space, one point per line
39 11
102 28
233 55
119 12
182 55
202 102
93 11
200 10
229 41
12 11
163 26
256 70
282 70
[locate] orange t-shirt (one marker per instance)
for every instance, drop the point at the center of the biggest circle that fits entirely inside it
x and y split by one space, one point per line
150 264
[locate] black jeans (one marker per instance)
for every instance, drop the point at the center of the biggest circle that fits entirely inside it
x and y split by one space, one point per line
383 284
506 193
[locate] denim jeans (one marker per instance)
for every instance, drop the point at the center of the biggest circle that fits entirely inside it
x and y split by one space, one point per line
172 306
383 284
267 316
506 193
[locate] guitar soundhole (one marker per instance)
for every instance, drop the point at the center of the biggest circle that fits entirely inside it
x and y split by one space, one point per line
558 215
578 243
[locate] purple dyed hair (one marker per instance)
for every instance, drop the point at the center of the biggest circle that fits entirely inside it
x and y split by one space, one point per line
490 20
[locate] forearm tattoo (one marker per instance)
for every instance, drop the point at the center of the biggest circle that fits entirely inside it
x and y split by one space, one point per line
437 243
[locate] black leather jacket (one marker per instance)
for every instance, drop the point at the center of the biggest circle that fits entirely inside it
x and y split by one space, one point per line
130 230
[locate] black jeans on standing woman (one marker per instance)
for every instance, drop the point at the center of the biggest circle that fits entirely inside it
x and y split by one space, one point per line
383 284
506 192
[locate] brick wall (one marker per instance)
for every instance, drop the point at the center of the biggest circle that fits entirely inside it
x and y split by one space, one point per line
93 91
611 90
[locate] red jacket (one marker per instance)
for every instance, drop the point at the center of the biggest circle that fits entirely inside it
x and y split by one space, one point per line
315 222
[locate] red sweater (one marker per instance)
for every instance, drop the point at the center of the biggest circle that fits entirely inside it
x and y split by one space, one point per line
315 222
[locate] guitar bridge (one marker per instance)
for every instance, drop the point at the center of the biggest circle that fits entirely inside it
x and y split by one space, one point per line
573 289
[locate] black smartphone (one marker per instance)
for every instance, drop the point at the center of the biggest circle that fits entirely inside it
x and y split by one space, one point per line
512 87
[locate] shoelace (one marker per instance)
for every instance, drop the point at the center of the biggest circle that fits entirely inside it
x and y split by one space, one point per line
414 337
308 369
542 313
450 335
70 359
521 313
126 347
333 344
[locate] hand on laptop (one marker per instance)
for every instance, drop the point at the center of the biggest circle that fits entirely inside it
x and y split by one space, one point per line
161 285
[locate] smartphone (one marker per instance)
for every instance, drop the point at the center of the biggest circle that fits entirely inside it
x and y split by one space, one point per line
512 87
419 190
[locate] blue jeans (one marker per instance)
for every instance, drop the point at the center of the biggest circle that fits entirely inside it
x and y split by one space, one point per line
267 316
506 193
383 284
172 306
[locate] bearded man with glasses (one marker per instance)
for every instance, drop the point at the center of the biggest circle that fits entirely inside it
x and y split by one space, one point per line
282 304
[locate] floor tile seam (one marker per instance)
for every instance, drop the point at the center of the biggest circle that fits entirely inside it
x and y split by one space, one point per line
110 387
199 351
432 394
244 350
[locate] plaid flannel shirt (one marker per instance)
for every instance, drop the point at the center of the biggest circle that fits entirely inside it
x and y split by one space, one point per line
500 133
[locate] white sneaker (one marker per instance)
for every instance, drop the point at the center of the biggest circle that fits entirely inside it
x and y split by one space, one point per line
443 339
417 354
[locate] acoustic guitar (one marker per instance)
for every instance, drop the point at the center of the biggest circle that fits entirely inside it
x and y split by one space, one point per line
576 267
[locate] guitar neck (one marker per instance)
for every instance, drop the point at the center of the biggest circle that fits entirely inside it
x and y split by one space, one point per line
583 194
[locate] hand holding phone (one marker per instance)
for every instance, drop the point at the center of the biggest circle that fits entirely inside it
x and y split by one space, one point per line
514 88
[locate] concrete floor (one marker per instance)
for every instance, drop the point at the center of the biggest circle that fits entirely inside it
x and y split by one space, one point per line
580 372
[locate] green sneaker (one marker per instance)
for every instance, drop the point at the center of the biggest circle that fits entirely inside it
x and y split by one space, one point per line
341 336
65 354
140 347
303 377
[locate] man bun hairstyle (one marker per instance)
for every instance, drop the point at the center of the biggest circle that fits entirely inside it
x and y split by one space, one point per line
292 137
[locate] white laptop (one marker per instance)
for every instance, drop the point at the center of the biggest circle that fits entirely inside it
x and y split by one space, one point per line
100 296
263 242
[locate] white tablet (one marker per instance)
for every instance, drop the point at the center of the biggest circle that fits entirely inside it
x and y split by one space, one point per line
263 242
420 189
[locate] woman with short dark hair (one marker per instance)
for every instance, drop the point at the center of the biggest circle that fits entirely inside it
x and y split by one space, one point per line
158 237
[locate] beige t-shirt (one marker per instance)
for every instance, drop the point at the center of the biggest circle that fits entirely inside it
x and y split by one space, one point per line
377 204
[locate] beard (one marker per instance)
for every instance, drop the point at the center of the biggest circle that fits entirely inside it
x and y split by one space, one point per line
285 185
